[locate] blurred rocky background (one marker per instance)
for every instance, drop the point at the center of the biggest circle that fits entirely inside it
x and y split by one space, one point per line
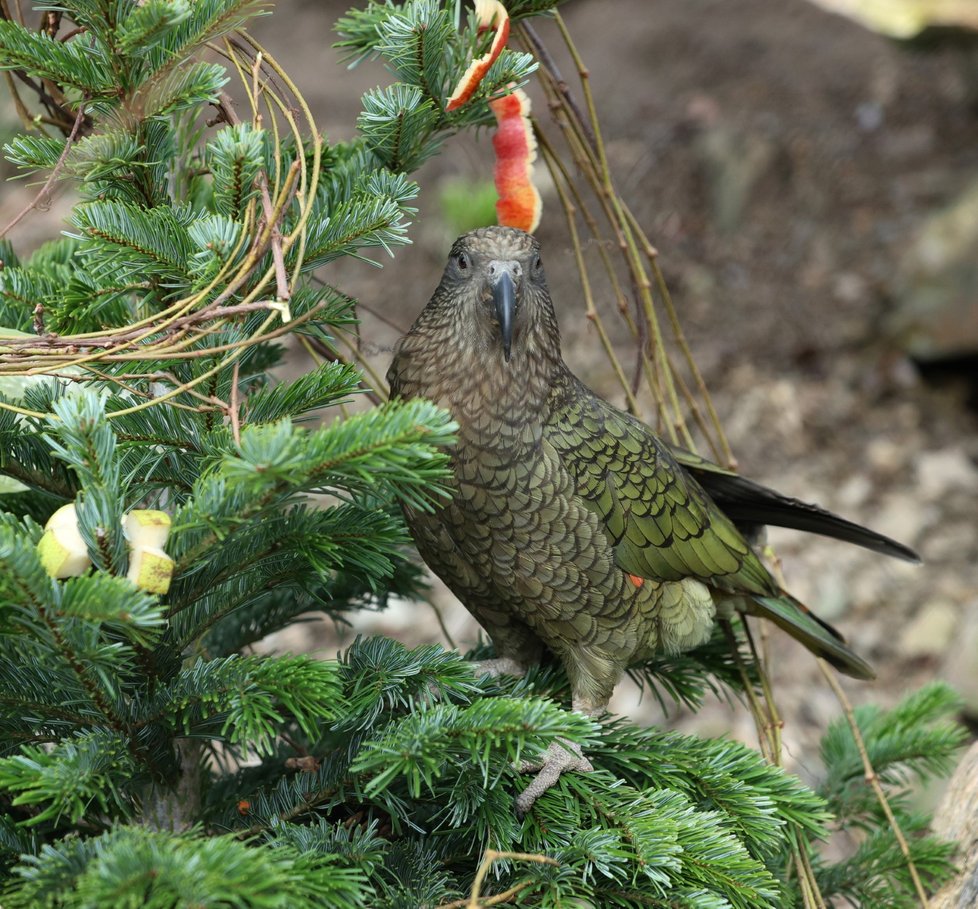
812 187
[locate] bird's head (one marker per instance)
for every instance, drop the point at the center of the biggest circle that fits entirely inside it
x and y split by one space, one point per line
495 281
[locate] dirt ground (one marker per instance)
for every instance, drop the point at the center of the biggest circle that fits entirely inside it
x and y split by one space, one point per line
782 160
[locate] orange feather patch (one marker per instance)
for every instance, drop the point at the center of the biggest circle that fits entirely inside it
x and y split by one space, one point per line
636 580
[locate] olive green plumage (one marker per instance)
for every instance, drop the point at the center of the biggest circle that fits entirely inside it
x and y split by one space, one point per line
571 526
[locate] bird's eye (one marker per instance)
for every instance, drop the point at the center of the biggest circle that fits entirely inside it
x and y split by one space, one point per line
462 260
537 264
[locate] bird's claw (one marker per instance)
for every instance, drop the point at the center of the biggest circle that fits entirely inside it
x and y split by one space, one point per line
560 757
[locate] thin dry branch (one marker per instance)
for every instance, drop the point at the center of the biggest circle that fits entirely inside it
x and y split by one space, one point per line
185 329
475 900
44 193
872 778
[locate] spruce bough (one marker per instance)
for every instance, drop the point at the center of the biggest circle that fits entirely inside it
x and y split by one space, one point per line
148 756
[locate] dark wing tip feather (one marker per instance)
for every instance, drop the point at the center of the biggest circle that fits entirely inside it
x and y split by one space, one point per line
748 504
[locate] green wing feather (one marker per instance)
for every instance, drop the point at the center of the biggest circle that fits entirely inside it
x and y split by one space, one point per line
818 636
697 463
663 524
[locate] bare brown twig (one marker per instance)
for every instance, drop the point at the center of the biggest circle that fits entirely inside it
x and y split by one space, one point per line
72 343
283 294
476 901
42 196
235 404
543 54
186 328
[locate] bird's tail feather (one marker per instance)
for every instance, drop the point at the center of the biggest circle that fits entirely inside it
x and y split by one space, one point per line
748 505
819 637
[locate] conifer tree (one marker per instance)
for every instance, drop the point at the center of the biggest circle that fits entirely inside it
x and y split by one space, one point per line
147 756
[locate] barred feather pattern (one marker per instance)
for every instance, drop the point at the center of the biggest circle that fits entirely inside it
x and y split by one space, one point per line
571 527
517 544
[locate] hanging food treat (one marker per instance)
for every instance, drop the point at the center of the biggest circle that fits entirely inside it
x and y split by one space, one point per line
150 568
516 149
490 14
62 550
145 528
514 143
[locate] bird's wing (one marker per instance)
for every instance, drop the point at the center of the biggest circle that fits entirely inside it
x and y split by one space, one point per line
664 525
661 522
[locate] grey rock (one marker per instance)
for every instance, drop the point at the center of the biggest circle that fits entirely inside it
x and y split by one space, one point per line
936 289
930 632
960 668
944 471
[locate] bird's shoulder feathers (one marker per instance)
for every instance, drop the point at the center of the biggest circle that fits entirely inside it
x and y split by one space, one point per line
658 518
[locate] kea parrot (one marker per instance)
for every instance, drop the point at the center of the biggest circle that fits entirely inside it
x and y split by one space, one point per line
571 526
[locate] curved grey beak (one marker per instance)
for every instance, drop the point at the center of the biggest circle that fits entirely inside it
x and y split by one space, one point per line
504 296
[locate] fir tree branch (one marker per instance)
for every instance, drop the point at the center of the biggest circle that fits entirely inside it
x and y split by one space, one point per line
873 780
59 114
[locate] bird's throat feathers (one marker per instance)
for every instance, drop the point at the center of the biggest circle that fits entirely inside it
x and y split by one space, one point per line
487 346
467 373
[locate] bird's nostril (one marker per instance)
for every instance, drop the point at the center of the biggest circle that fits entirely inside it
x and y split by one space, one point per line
513 269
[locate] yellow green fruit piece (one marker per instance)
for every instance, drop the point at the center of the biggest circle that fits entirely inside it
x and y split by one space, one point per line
150 569
64 517
63 553
146 529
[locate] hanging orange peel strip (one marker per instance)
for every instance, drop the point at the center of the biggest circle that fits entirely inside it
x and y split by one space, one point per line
490 14
516 149
514 143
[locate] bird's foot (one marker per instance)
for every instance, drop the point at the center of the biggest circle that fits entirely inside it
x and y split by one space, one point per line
560 757
499 666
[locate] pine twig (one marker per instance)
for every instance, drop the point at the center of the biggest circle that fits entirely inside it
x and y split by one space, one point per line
475 900
543 54
235 404
441 623
871 777
590 310
496 900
